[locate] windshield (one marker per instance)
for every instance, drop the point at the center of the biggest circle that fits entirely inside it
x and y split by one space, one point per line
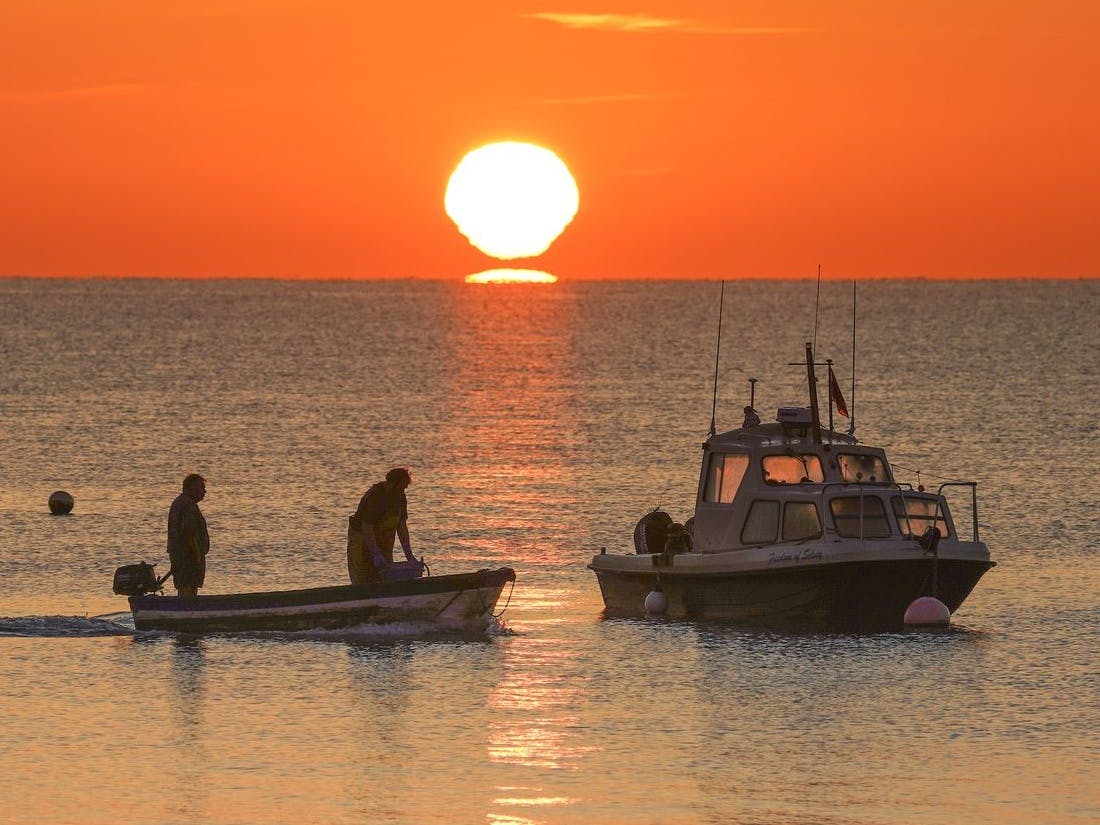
792 469
862 467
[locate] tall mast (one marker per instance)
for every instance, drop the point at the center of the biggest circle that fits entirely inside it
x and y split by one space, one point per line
815 416
817 303
717 351
852 409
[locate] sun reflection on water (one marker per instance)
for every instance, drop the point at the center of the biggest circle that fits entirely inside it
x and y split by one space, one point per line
506 819
509 401
522 801
536 716
511 276
535 713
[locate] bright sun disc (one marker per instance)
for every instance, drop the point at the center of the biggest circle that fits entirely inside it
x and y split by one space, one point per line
511 199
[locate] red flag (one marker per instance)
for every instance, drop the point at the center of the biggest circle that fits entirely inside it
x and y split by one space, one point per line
834 394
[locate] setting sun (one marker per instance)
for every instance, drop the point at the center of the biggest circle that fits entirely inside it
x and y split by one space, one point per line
512 200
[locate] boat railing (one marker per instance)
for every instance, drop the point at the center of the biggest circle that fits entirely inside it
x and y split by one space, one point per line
904 489
973 485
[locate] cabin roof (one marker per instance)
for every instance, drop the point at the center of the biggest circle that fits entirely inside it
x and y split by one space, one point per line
774 434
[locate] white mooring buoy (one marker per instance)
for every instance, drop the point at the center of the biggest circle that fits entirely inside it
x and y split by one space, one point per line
927 611
60 503
656 602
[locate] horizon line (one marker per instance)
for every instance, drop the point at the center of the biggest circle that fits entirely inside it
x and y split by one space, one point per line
561 279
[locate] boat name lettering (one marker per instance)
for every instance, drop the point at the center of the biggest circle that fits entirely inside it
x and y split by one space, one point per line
808 554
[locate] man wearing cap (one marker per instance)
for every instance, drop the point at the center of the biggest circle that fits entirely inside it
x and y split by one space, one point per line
188 539
382 515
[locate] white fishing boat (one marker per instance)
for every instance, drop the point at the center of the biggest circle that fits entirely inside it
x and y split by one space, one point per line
462 602
796 522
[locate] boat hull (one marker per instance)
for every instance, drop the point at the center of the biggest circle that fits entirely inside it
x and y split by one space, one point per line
461 602
842 594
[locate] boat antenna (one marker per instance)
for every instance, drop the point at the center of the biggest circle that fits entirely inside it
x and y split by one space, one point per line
817 304
852 417
717 350
752 393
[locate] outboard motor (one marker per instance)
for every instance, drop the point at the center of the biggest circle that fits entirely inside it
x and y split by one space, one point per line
651 533
136 580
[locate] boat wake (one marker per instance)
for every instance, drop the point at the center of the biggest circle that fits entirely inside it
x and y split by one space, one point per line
122 624
112 624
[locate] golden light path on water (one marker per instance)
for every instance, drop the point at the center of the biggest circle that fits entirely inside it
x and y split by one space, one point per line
511 276
535 708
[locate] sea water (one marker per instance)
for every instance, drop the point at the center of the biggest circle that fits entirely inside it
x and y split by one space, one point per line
539 423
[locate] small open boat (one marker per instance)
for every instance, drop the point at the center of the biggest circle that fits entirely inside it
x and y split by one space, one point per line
461 602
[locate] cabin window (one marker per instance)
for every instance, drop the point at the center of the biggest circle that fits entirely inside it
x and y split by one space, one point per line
856 516
800 521
922 515
724 476
762 523
862 467
792 469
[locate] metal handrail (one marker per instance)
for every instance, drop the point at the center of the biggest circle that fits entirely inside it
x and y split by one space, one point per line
907 489
973 485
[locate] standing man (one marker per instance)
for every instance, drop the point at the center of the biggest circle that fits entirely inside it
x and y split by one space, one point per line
188 539
382 515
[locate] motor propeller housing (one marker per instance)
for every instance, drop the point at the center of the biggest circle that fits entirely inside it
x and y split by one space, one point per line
136 580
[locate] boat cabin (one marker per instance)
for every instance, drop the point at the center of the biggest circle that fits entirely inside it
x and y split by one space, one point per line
774 483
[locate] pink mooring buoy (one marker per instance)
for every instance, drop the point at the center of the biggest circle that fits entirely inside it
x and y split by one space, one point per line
927 611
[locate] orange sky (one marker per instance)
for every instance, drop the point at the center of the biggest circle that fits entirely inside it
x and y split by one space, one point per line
314 138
